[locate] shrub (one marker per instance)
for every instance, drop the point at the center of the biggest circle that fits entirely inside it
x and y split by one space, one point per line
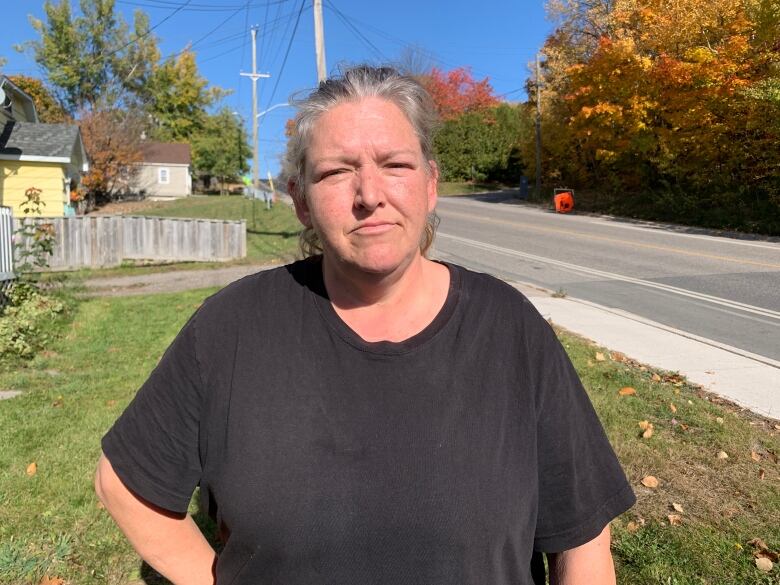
27 320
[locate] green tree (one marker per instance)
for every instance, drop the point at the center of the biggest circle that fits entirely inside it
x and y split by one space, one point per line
50 111
177 97
90 58
483 145
220 149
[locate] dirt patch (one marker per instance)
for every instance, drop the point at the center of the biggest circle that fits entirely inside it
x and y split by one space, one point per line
166 282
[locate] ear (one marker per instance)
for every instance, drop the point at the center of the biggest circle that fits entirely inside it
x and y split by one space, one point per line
299 200
433 185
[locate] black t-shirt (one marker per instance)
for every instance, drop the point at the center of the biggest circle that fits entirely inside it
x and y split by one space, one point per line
445 459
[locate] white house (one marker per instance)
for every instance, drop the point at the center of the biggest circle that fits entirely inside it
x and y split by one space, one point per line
164 172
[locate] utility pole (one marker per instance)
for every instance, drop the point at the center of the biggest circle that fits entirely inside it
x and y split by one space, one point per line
319 42
538 129
255 76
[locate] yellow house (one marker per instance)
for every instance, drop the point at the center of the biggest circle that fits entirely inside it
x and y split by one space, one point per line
49 157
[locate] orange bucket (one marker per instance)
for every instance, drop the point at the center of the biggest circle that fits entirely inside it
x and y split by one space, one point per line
564 202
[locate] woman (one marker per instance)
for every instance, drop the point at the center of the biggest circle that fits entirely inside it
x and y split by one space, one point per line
366 415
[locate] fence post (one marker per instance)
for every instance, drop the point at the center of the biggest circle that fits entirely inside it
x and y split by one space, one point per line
6 246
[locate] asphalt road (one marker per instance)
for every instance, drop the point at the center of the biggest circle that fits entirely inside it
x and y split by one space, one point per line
717 287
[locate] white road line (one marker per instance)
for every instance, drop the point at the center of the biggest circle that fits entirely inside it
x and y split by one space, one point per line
613 276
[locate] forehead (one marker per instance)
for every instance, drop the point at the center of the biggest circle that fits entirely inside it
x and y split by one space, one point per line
373 123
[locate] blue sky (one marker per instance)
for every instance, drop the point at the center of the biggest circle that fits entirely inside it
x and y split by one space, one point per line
496 38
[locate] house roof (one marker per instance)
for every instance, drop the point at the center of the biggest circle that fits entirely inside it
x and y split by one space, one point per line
38 139
29 105
35 141
174 153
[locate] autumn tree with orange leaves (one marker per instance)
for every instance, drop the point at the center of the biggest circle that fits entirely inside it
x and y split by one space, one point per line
113 140
667 108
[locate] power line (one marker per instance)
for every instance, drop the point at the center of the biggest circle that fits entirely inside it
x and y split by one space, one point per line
286 54
199 7
147 33
356 31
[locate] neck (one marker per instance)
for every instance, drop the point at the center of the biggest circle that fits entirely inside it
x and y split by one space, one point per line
389 307
350 289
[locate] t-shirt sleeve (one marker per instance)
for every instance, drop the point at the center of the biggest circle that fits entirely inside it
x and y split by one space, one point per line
153 446
582 486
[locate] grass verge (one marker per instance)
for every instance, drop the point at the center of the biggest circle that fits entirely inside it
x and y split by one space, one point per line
450 189
51 524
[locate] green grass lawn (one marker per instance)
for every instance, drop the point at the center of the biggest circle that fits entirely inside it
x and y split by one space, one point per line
50 521
449 189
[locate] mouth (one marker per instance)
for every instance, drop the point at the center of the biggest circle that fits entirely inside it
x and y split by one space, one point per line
373 228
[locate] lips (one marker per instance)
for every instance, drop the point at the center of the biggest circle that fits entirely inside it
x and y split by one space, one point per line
373 227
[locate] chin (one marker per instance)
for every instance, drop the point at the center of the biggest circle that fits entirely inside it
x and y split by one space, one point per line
380 262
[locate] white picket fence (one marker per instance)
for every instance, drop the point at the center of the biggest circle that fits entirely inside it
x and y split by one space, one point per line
6 245
103 241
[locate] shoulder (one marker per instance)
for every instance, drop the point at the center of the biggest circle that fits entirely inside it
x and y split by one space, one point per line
267 292
483 292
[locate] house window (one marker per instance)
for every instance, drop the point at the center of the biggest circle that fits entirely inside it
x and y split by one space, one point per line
164 176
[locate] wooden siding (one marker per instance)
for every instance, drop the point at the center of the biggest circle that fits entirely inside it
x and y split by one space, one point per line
178 185
105 240
18 176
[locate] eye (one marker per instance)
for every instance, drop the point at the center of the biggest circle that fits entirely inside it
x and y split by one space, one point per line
399 165
330 173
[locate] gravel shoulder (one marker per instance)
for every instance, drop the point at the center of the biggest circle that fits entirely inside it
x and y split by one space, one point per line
168 282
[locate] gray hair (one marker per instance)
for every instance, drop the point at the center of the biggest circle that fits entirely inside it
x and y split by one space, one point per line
350 85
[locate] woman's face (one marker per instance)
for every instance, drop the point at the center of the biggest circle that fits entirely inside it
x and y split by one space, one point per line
368 187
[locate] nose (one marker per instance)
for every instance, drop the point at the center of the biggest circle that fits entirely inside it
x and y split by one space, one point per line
368 191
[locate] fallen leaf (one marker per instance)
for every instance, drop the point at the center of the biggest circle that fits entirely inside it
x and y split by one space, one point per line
650 481
656 378
676 391
766 554
100 505
777 427
683 427
648 432
719 420
759 544
645 424
761 474
600 357
632 527
627 391
677 508
755 456
723 455
642 368
32 469
110 402
51 580
675 519
764 564
737 546
672 407
590 364
617 356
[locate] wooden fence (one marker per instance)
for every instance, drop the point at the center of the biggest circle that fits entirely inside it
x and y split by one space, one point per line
102 241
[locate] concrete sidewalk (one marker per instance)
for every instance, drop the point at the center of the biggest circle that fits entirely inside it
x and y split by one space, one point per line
750 380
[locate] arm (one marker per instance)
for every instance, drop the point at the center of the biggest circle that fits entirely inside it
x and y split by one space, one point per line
588 564
171 543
